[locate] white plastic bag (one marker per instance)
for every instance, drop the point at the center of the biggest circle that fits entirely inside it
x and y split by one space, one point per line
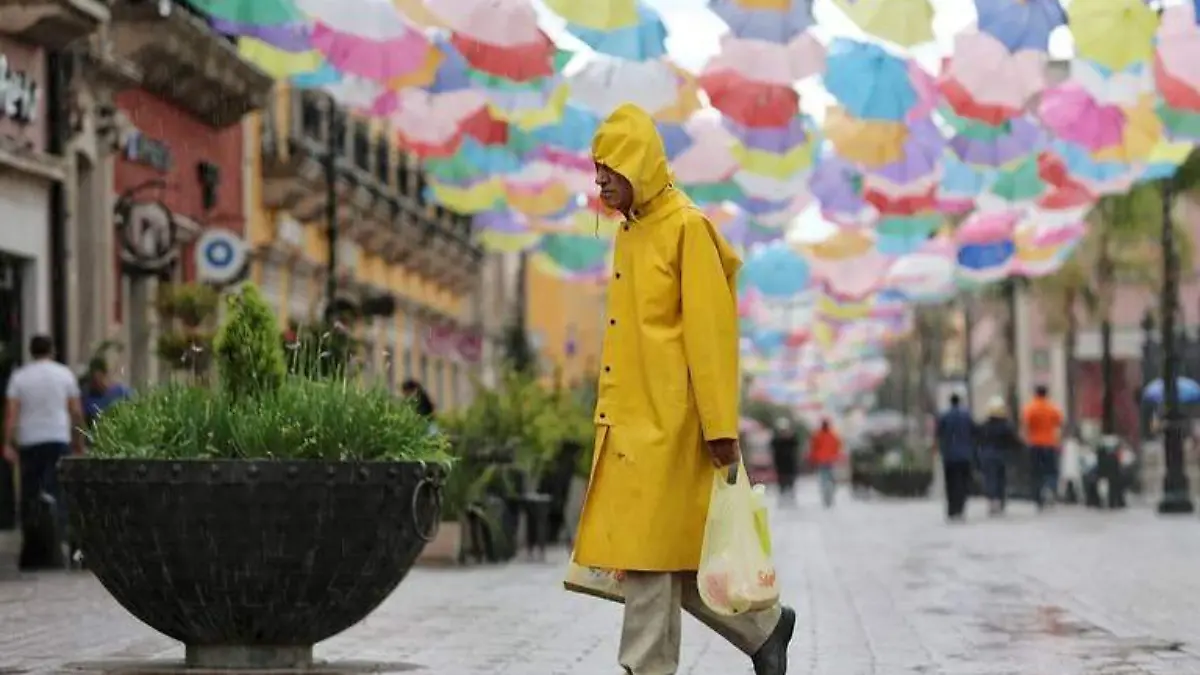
737 574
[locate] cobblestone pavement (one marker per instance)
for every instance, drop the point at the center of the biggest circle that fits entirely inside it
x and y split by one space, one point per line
881 588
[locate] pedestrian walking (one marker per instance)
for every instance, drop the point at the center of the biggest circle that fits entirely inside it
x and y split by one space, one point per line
997 440
785 454
42 417
825 451
667 409
1043 422
956 445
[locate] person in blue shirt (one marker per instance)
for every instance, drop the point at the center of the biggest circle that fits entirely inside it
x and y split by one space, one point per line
100 391
956 445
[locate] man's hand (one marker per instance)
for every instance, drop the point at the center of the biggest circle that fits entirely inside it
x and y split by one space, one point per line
724 452
10 454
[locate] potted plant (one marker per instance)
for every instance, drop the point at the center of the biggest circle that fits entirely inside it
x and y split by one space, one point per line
186 314
904 473
255 515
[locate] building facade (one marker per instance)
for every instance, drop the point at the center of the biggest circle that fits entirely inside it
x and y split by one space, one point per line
566 323
409 271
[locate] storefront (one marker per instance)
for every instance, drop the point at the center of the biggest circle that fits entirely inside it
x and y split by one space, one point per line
26 175
175 178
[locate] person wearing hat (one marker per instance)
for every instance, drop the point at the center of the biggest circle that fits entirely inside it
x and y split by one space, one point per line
997 438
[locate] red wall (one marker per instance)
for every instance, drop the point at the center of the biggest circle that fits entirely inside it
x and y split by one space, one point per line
190 141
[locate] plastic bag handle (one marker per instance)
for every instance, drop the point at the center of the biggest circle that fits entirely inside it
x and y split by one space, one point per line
732 475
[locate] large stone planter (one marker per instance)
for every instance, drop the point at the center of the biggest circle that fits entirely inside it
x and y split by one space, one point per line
902 482
250 563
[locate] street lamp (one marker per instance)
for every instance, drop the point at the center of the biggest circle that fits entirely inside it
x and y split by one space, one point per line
1177 496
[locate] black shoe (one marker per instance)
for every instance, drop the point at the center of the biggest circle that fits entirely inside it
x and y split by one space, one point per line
772 657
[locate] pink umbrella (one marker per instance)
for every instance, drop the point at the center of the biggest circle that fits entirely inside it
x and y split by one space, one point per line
372 41
987 228
926 88
992 75
768 62
503 23
710 158
422 118
1071 113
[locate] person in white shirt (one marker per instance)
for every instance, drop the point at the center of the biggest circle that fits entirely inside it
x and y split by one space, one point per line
42 419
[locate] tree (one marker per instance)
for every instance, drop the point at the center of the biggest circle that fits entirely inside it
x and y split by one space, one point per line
1121 247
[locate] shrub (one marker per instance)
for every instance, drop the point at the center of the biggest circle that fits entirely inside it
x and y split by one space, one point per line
257 410
250 358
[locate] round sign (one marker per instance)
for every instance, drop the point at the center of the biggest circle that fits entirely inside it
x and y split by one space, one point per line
220 256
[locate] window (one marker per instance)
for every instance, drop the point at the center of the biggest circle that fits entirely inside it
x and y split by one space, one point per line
409 337
383 161
362 146
439 369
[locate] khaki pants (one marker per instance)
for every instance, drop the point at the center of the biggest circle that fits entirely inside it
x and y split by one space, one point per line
651 632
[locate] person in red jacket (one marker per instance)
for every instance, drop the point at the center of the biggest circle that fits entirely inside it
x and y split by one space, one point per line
825 451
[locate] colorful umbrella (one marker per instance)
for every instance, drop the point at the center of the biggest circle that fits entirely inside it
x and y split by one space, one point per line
768 62
373 41
642 41
1020 24
922 150
750 103
604 84
776 271
605 15
779 140
872 143
868 82
905 22
985 82
1175 70
774 21
1071 113
524 62
502 23
1114 33
997 146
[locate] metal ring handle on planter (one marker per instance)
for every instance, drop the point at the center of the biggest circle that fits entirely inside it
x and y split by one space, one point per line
428 482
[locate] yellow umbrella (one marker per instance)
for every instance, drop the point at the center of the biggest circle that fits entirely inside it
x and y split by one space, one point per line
505 242
842 245
843 311
475 198
766 163
768 5
549 199
1114 33
873 143
277 63
603 15
536 117
416 12
1142 134
423 76
905 22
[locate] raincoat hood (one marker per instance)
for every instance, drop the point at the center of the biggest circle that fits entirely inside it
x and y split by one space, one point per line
628 143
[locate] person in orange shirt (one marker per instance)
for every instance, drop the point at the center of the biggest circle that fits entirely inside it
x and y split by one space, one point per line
825 450
1043 422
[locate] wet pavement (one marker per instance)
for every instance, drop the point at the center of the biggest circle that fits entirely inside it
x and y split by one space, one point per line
881 588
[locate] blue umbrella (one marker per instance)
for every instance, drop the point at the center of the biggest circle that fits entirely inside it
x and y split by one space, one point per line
573 131
776 271
765 24
1020 24
1189 391
642 41
676 139
868 81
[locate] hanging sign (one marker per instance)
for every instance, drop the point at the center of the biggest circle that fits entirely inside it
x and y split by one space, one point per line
148 234
221 257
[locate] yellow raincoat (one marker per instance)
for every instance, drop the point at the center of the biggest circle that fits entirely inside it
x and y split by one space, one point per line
669 374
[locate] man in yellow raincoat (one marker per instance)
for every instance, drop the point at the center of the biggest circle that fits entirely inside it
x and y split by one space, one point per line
667 412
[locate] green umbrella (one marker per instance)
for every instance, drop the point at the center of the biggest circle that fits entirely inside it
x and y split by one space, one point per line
252 13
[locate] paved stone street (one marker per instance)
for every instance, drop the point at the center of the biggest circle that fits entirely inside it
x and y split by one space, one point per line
881 587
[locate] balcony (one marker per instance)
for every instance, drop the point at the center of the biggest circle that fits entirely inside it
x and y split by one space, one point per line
184 61
374 187
53 23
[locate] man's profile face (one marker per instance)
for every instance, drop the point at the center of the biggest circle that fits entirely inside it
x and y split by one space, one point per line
615 192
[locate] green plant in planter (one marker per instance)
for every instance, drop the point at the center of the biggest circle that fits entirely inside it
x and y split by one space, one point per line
186 312
256 410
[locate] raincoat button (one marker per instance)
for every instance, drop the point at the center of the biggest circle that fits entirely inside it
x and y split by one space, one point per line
612 322
608 369
602 415
617 275
626 228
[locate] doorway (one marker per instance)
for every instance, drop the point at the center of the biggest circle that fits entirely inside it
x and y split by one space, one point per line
12 345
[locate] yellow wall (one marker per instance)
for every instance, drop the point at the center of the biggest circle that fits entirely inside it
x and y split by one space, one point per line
555 306
371 269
